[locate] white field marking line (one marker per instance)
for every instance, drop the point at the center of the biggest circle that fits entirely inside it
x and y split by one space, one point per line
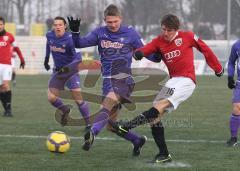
117 139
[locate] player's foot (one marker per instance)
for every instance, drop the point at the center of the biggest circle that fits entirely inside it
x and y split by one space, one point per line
65 115
8 113
232 142
88 140
159 158
138 147
87 128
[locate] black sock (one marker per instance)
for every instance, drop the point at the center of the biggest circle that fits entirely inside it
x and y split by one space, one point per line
158 135
145 117
8 98
3 100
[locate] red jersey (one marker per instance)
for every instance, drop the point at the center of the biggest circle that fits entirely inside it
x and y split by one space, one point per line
5 48
178 54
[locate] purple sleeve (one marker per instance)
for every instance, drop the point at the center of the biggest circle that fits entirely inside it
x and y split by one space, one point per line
91 39
47 51
156 57
232 62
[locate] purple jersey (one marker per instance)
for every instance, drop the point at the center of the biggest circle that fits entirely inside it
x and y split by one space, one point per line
234 59
115 48
62 49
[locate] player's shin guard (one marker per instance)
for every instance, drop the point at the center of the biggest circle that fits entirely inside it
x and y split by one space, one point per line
84 110
159 138
143 118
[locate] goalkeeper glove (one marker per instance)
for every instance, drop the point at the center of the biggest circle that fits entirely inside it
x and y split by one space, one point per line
231 82
220 73
74 24
46 65
138 55
22 64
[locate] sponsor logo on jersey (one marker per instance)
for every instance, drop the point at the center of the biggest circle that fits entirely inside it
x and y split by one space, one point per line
178 42
172 54
110 44
56 49
3 43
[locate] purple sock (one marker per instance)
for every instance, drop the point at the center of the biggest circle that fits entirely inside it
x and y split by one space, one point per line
84 110
234 125
100 121
59 105
131 136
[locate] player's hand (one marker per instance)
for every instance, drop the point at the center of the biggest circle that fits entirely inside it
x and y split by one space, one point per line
46 65
22 64
158 56
231 82
138 55
220 73
74 24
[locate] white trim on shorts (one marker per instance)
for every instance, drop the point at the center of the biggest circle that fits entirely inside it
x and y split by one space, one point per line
183 88
5 73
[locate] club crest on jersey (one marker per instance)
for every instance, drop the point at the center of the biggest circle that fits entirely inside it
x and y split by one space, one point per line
5 38
178 42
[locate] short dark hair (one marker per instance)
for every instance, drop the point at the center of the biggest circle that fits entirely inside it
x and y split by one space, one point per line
171 21
2 19
112 10
61 18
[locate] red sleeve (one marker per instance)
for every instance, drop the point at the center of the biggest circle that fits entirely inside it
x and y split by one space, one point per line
150 48
19 53
210 57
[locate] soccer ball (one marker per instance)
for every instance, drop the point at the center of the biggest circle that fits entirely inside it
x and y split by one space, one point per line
58 142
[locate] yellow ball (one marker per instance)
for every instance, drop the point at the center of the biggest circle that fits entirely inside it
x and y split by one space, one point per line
58 142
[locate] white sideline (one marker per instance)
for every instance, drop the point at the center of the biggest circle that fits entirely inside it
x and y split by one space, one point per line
117 139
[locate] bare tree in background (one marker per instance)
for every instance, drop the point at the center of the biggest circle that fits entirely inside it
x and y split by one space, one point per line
4 9
20 5
147 14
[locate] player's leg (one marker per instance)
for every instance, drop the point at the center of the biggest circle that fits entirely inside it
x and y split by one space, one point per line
13 61
234 124
6 93
74 85
157 130
136 140
6 97
55 101
101 119
14 81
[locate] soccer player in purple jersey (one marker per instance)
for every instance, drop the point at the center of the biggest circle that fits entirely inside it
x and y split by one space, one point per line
60 45
116 44
235 116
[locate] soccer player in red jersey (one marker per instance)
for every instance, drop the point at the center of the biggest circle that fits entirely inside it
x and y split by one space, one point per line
176 48
6 43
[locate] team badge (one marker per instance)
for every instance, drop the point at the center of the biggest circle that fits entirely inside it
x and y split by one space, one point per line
5 38
178 42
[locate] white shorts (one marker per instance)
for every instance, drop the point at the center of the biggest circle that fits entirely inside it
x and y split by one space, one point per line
5 73
183 88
